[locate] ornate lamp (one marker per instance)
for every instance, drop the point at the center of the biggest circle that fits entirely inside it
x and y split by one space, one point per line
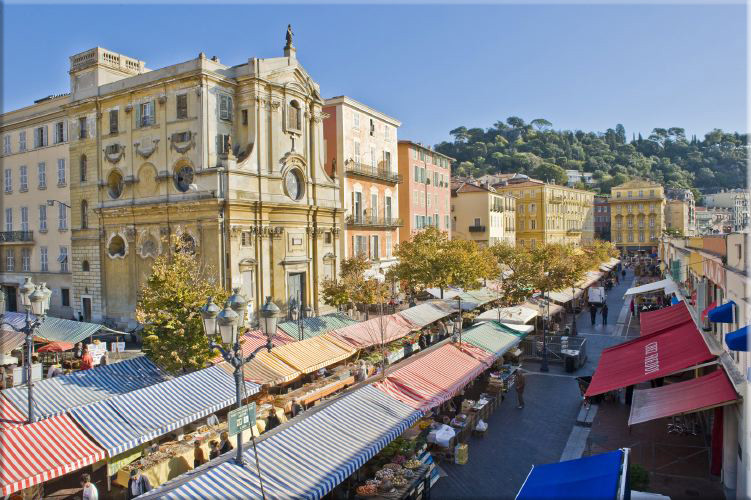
269 317
238 304
26 290
209 313
228 321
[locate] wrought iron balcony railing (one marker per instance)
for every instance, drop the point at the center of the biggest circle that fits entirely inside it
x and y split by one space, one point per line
476 229
361 169
368 221
16 236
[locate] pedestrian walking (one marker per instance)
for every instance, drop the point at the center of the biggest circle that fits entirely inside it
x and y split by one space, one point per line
593 313
138 484
89 491
519 383
604 314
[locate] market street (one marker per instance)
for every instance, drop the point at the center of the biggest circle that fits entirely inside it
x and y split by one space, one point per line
537 434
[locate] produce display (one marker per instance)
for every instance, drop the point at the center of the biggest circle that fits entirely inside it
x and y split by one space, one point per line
412 464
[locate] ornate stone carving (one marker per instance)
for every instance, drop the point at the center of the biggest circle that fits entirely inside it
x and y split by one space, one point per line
335 232
315 231
179 144
114 153
117 246
129 232
317 117
128 108
148 244
162 99
146 147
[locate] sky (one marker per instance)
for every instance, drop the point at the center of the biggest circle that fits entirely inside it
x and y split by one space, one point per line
433 67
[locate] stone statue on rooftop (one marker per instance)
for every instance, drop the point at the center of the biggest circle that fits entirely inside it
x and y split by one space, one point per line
290 33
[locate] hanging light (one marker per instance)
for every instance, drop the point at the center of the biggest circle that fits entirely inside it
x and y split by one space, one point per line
209 311
37 298
228 320
47 295
238 304
269 317
26 290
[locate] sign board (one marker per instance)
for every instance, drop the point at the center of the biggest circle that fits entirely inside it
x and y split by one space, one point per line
97 351
117 346
241 419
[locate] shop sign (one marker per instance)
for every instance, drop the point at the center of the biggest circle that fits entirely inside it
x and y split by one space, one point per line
241 419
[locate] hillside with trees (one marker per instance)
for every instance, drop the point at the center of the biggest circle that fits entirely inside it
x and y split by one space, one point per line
667 156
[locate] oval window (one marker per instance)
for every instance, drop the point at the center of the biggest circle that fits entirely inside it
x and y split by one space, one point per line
115 184
116 248
294 185
184 178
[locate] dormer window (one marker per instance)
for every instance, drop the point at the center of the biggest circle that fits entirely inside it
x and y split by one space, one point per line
295 115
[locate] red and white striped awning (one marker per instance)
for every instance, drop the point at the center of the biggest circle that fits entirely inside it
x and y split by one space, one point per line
9 415
33 453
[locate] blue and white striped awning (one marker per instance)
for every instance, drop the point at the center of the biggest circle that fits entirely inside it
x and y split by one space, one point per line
317 325
59 329
54 396
308 459
128 420
426 313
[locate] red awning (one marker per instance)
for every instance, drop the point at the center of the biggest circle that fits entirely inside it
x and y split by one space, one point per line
709 308
662 319
648 357
374 331
683 397
9 415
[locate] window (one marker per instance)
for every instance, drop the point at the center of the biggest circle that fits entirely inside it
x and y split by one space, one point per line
387 160
244 115
651 222
388 245
360 245
42 175
428 200
532 207
521 225
145 114
414 153
115 184
225 107
10 260
477 221
26 259
533 224
295 115
61 171
82 168
435 178
43 218
618 195
532 243
641 236
630 222
372 158
116 247
222 144
9 219
641 207
59 132
184 178
417 173
63 259
631 237
6 145
62 217
357 152
25 219
181 111
113 121
65 295
374 250
641 193
629 194
23 178
521 208
22 141
43 266
356 120
84 214
82 130
387 212
629 208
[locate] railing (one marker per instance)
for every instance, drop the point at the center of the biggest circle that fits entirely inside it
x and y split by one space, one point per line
573 231
364 170
373 221
476 229
557 347
16 236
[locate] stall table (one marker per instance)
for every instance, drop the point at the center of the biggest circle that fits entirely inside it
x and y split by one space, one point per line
415 489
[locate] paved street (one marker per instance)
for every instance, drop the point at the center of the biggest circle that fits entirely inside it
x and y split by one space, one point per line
517 439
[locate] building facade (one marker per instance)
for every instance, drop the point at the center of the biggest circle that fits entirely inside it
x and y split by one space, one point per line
575 176
425 194
713 220
480 214
226 160
686 196
35 239
548 213
677 217
361 155
637 216
602 217
738 201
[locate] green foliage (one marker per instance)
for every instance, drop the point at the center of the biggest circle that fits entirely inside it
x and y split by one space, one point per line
168 307
666 156
638 477
352 287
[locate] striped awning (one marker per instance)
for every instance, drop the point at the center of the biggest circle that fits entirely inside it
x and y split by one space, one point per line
53 396
516 314
125 421
266 369
484 295
375 331
313 327
10 340
253 339
425 314
589 279
308 459
65 330
432 379
34 453
314 353
9 415
492 337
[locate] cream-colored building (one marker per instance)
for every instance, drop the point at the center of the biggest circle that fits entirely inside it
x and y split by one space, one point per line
227 158
361 154
637 215
482 215
677 216
35 203
548 213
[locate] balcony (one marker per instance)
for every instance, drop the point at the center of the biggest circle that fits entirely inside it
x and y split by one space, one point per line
373 222
476 229
557 199
363 170
573 232
17 237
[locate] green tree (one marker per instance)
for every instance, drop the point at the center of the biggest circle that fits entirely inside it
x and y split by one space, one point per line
352 287
550 172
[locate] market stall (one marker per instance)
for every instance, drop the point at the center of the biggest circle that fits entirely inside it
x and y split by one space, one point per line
668 317
517 315
266 369
423 315
59 329
309 393
317 325
312 354
9 415
376 331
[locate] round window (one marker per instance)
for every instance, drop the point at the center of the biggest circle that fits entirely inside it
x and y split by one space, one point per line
184 178
115 184
116 248
294 185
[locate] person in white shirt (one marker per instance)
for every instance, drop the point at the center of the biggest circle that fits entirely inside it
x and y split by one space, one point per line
89 490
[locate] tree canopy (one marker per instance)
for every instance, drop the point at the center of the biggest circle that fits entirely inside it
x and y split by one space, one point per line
353 287
666 156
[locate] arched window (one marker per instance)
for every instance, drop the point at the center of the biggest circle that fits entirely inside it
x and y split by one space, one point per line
295 115
84 214
83 168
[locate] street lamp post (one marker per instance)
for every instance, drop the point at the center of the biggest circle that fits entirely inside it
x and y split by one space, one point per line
456 327
224 323
36 301
545 320
299 313
573 311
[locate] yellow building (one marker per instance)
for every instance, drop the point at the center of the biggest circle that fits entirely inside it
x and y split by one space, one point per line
482 215
637 215
677 216
548 213
227 158
35 203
